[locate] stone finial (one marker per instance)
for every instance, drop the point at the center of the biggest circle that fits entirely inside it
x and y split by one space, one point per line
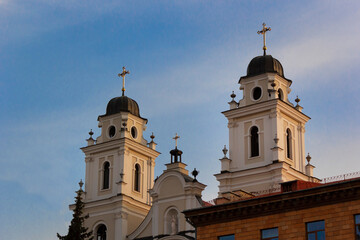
308 158
90 140
81 184
152 137
298 107
272 91
233 104
91 133
122 175
225 151
233 96
309 168
152 144
195 173
273 85
276 140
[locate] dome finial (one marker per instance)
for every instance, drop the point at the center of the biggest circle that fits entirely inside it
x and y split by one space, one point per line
263 32
124 72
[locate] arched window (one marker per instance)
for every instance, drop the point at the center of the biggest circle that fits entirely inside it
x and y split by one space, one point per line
137 178
288 144
101 232
106 175
280 94
254 141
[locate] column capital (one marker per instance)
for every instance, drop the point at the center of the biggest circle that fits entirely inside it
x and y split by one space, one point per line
121 214
232 124
275 113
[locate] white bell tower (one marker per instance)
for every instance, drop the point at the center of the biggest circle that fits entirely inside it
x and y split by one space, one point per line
119 170
266 132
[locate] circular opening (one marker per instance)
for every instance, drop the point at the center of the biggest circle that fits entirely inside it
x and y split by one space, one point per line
257 93
111 131
133 132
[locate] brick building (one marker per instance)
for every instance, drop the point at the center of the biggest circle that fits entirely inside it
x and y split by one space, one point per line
330 211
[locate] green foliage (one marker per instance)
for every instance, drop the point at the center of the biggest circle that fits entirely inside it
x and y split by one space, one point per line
77 231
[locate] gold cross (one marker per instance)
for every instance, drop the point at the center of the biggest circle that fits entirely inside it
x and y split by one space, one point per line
124 72
263 32
176 138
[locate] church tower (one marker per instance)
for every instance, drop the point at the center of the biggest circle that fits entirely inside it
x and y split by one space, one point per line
266 131
119 170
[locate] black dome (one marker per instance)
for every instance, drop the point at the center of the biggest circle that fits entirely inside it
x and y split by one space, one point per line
264 64
122 104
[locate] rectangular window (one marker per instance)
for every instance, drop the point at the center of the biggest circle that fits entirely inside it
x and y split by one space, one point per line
357 226
270 234
315 230
227 237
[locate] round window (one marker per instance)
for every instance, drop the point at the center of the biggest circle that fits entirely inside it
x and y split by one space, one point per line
256 93
133 132
112 131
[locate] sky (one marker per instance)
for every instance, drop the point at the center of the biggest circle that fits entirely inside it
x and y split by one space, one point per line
59 62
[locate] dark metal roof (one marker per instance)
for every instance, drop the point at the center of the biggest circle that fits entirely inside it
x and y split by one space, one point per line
122 104
264 64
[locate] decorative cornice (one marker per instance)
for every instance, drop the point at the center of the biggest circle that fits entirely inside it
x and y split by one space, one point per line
301 128
119 198
232 124
278 105
120 144
121 214
279 203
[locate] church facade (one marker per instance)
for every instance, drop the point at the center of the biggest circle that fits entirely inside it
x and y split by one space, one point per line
122 197
266 149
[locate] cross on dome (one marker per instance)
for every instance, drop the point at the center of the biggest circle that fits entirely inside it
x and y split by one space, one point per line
123 74
176 138
176 153
263 32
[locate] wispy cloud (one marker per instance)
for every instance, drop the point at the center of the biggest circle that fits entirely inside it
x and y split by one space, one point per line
22 21
326 49
38 152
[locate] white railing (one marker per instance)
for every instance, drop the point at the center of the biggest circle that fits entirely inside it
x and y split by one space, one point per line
341 177
267 191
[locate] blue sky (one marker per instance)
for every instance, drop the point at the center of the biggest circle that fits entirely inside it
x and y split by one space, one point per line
58 69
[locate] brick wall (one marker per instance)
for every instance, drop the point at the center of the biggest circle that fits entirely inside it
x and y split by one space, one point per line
339 224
